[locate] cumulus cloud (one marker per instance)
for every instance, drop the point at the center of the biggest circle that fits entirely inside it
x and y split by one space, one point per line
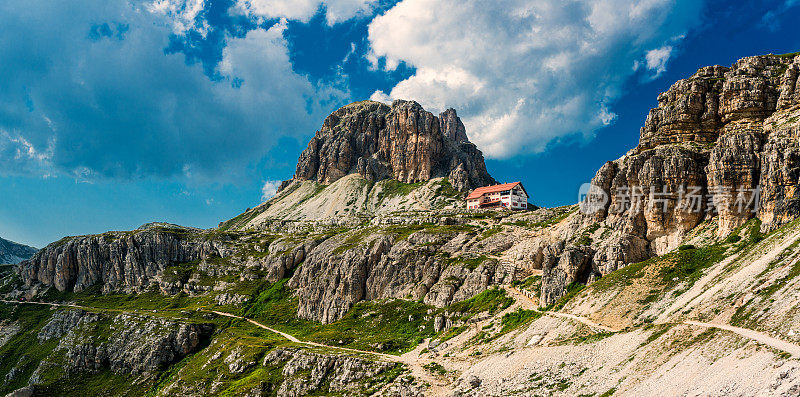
95 94
521 73
336 11
184 14
269 189
657 59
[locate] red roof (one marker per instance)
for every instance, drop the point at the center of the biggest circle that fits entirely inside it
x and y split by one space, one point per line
491 189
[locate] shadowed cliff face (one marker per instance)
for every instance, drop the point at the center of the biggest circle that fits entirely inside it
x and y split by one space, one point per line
402 142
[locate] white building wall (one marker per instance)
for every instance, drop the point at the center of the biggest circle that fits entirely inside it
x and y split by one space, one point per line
516 199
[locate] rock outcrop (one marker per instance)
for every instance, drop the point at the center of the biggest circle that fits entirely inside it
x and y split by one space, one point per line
125 344
402 142
723 144
452 127
424 266
136 345
13 253
727 133
120 261
306 372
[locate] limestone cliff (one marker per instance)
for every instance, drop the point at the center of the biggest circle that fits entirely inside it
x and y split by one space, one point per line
435 264
724 131
119 261
402 142
722 146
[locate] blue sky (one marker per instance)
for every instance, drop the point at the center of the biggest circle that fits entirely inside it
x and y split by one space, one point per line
114 113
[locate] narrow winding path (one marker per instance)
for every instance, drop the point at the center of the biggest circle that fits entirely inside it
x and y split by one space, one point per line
591 324
412 358
291 338
761 337
51 304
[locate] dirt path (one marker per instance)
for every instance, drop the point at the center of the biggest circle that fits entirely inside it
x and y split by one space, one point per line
779 344
412 358
283 334
583 320
591 324
754 335
439 386
52 304
291 338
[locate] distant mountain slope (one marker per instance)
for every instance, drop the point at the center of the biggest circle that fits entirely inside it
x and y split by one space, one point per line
13 253
370 159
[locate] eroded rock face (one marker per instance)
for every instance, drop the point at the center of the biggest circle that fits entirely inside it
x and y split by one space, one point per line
402 142
452 127
337 374
136 346
344 270
727 131
125 344
734 166
723 144
120 261
780 168
64 321
572 265
688 111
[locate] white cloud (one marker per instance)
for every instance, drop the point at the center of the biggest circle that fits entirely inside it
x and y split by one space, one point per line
657 59
336 11
115 105
521 73
183 13
381 96
18 152
269 189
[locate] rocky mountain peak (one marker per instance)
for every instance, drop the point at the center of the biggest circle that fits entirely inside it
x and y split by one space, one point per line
452 127
402 141
718 100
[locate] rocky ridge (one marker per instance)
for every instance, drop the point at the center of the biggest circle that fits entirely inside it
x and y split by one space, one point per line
88 343
118 261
